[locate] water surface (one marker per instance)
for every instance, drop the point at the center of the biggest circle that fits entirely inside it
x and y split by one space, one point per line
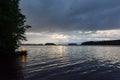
63 63
72 63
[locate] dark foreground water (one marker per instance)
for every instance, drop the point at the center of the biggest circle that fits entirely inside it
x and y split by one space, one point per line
64 63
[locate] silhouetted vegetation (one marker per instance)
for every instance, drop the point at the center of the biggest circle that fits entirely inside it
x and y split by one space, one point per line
31 44
12 26
50 44
72 44
109 42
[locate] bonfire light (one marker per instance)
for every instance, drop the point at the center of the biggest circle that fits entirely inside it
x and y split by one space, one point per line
23 49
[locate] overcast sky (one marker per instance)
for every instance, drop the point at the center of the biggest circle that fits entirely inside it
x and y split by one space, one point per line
64 21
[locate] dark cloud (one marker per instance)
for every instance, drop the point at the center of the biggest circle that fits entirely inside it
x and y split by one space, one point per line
72 15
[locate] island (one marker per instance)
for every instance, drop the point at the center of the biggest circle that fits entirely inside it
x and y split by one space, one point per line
106 42
50 44
72 44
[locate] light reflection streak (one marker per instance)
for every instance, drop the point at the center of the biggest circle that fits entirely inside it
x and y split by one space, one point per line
57 51
23 60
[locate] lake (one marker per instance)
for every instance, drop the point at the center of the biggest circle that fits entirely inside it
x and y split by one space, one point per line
68 63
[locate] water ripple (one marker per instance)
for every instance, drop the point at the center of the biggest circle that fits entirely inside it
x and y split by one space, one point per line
72 63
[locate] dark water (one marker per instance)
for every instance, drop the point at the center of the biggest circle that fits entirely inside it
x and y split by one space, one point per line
66 63
11 68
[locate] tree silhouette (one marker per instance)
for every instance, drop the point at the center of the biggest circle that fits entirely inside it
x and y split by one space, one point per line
12 27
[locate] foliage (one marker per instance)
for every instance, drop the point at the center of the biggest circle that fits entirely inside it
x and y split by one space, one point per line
12 26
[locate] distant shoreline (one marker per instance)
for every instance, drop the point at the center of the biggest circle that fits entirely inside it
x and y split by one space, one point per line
52 44
107 42
47 45
87 43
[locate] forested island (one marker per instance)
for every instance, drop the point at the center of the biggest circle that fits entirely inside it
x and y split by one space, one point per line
107 42
72 44
50 44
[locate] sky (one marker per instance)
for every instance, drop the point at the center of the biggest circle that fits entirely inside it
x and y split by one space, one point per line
71 21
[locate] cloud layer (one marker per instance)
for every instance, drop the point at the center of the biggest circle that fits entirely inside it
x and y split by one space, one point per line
72 15
64 21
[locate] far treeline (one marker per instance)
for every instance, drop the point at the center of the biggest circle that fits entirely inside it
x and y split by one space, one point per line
108 42
12 27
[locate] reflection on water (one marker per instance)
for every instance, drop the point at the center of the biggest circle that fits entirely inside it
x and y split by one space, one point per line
59 51
72 63
11 67
63 63
23 60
